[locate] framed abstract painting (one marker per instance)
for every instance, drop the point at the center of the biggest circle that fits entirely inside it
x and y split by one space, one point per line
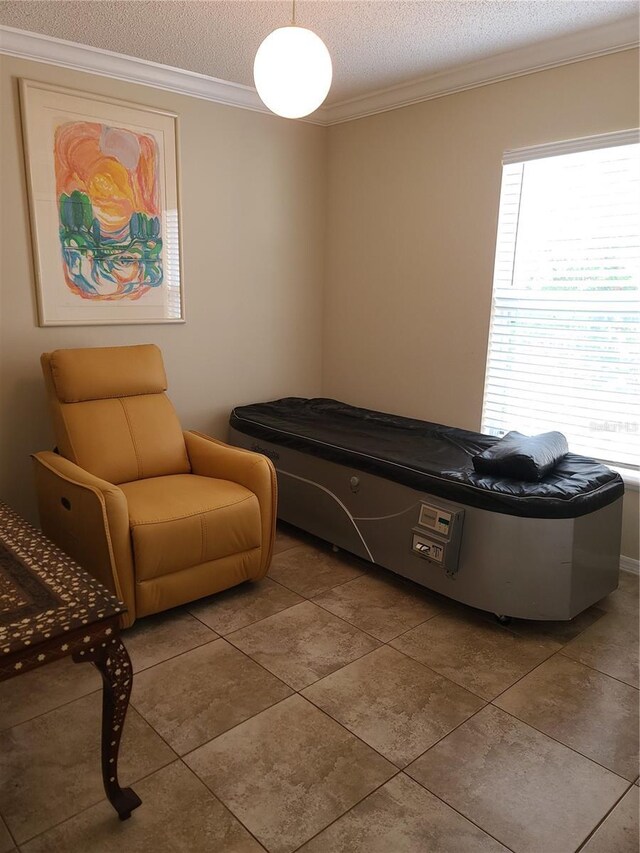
104 202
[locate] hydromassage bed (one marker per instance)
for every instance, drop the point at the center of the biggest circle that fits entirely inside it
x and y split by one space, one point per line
404 494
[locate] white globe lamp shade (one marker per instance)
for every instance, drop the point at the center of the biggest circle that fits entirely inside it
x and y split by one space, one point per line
292 71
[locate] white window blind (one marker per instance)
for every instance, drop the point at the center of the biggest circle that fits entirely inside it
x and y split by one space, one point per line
564 348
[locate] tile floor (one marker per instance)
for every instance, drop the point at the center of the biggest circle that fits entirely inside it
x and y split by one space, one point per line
333 708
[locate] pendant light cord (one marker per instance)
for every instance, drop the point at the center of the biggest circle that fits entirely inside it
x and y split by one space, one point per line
293 14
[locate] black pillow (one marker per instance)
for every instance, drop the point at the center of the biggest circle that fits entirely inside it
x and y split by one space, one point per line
523 457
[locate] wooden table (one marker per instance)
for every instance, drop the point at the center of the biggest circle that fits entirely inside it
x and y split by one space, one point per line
51 608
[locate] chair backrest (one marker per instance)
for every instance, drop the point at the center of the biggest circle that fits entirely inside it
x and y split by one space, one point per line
111 415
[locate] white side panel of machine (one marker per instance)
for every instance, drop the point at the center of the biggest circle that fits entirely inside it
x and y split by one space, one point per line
531 568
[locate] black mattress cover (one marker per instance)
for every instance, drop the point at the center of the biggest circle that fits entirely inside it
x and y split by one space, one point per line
428 457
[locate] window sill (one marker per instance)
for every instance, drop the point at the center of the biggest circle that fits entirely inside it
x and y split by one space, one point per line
631 477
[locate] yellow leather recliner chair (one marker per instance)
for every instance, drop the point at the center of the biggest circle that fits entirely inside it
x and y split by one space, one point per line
160 516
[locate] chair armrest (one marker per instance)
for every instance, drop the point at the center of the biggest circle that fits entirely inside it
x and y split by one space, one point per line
212 458
89 519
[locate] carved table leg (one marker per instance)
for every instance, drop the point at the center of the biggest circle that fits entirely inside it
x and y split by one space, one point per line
112 660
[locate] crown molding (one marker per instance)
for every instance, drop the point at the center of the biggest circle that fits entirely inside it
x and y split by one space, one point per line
575 47
107 63
599 41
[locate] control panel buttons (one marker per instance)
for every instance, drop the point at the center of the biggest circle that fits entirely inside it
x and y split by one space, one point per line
428 548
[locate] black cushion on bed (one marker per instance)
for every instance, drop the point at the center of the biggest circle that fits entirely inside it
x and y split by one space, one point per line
523 457
432 458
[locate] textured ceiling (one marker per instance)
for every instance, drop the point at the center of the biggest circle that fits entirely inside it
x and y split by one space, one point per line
373 44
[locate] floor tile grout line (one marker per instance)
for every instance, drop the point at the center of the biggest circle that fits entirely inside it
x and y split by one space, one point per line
414 660
222 803
296 691
382 642
482 616
526 675
562 743
299 604
308 600
402 771
368 746
515 716
595 669
179 757
95 803
271 674
322 591
353 734
364 630
435 743
338 723
235 725
602 820
462 814
490 703
351 624
440 739
219 734
315 681
385 642
132 782
224 635
405 769
351 808
177 655
51 710
99 688
11 835
437 674
446 677
364 570
233 646
165 660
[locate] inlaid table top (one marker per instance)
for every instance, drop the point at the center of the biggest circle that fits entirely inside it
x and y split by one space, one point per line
44 594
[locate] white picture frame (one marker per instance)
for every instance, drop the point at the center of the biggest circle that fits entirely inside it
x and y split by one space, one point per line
104 203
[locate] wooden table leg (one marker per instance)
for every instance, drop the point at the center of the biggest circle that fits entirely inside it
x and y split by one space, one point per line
112 660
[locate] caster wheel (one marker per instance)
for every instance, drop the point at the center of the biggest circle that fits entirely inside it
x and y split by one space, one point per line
503 620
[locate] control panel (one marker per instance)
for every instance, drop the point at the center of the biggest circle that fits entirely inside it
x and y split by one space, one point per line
428 548
438 534
436 519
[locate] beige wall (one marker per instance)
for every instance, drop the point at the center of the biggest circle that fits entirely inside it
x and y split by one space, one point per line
411 227
411 218
253 198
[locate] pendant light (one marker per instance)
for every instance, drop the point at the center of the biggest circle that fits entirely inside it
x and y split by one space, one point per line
292 70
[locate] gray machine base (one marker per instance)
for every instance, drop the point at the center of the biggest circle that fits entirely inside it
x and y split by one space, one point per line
529 568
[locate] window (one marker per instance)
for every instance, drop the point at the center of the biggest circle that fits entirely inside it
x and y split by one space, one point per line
564 349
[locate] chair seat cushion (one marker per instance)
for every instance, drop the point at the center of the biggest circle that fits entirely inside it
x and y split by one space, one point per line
182 520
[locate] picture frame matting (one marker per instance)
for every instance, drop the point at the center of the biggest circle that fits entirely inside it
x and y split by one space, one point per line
104 204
